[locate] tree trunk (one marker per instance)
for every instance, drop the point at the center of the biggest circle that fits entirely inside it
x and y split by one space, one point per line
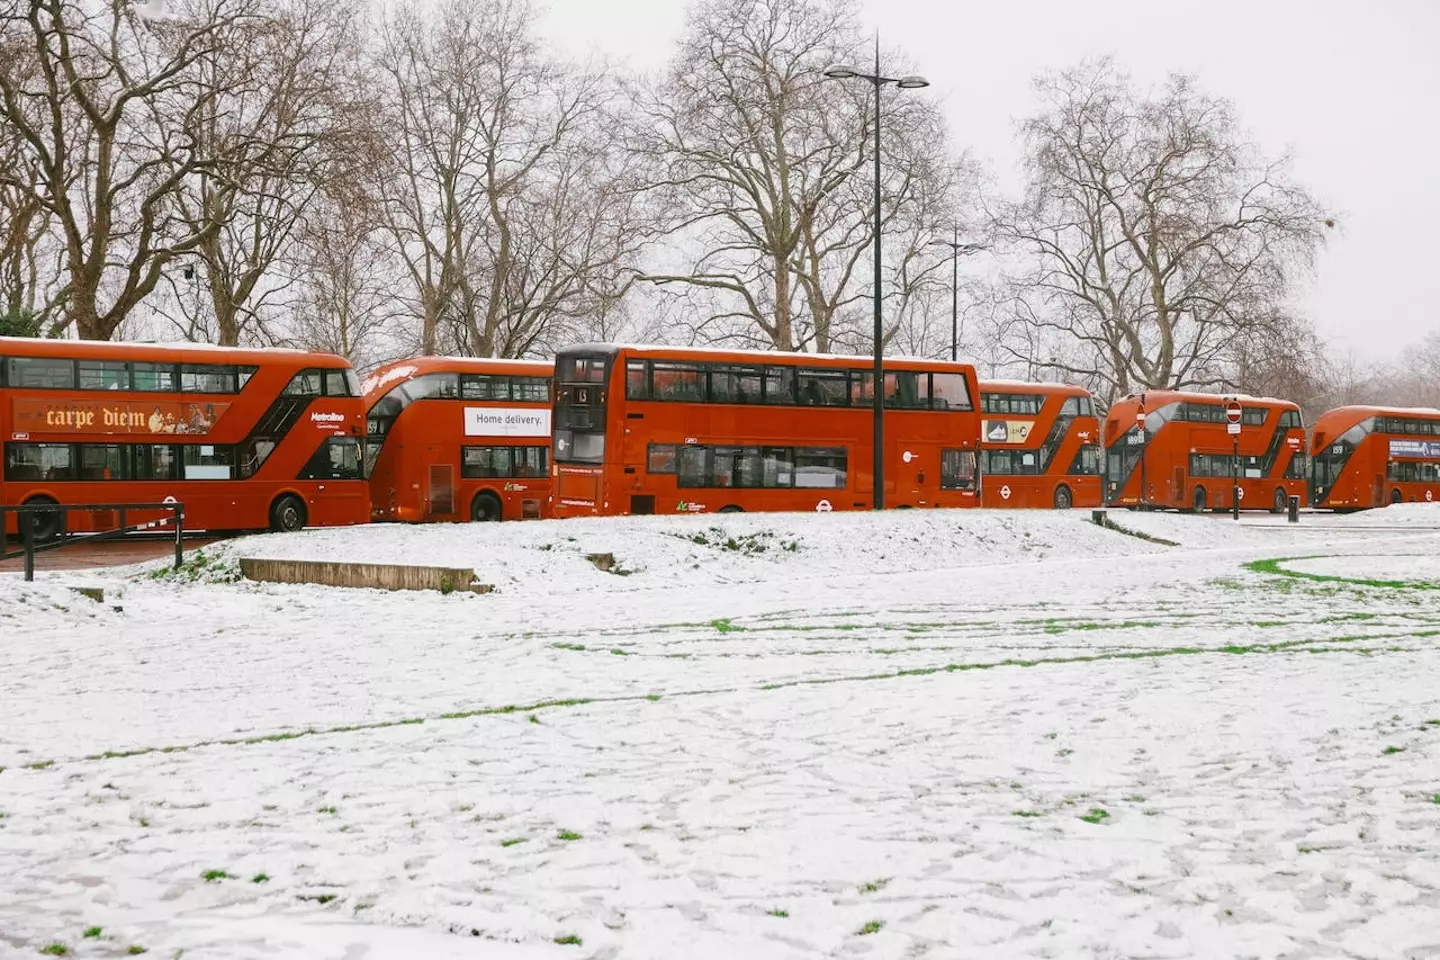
784 330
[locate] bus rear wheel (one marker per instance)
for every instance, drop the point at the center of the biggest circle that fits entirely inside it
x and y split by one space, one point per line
1197 502
1064 500
287 514
47 525
1395 496
485 508
732 508
1281 501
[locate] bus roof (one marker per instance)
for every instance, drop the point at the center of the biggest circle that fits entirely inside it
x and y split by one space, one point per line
397 371
1153 397
1020 386
754 356
1360 411
177 352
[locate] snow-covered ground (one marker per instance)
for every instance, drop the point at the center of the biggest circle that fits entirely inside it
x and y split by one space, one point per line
949 734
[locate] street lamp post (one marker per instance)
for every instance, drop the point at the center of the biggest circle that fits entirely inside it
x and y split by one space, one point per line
957 250
878 400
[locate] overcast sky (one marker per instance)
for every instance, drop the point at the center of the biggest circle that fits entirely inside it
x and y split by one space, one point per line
1351 88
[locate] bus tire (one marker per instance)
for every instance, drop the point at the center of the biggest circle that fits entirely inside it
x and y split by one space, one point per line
1064 499
486 508
732 508
1395 496
287 514
47 525
1197 500
1281 502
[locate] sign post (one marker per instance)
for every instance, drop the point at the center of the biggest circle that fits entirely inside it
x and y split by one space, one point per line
1232 424
1140 428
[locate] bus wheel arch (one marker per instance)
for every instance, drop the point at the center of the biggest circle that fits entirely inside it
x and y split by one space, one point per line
731 508
1396 496
288 513
486 508
48 526
1064 499
1197 500
1281 502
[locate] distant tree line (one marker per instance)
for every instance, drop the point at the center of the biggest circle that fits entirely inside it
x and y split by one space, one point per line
387 180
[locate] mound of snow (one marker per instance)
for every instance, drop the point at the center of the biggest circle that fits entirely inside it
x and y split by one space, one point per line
648 552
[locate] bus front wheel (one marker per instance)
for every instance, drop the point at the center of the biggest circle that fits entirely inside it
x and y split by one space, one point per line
1281 501
731 508
1395 496
287 514
485 508
1063 498
1197 502
47 525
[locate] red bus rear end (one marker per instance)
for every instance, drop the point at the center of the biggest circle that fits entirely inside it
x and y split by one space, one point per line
245 439
1373 456
1040 446
458 438
649 429
1169 449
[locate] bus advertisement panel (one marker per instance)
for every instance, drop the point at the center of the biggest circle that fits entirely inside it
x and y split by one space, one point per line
1372 456
644 429
459 438
1040 445
1182 457
244 439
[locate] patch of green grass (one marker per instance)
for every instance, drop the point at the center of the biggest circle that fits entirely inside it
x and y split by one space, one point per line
725 625
1392 750
777 912
213 876
330 811
40 765
1109 524
93 933
1274 568
1028 813
135 950
874 926
55 950
569 940
1096 815
578 647
260 878
619 652
1435 798
320 898
652 697
568 835
514 841
874 886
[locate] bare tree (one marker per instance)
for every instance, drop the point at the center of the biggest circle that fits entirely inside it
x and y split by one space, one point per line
504 193
345 278
27 273
763 165
283 109
1162 246
107 119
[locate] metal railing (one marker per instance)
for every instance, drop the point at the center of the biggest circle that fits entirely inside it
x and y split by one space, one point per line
26 525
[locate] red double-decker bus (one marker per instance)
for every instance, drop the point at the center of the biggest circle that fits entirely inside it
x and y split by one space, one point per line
1040 445
1181 456
457 438
648 429
244 439
1372 456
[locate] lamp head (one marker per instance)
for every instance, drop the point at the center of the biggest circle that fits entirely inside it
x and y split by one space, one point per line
841 72
912 83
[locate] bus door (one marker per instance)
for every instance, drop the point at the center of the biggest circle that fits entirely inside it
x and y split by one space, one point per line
1177 487
440 497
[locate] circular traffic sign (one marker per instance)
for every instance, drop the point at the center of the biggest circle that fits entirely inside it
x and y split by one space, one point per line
1232 412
